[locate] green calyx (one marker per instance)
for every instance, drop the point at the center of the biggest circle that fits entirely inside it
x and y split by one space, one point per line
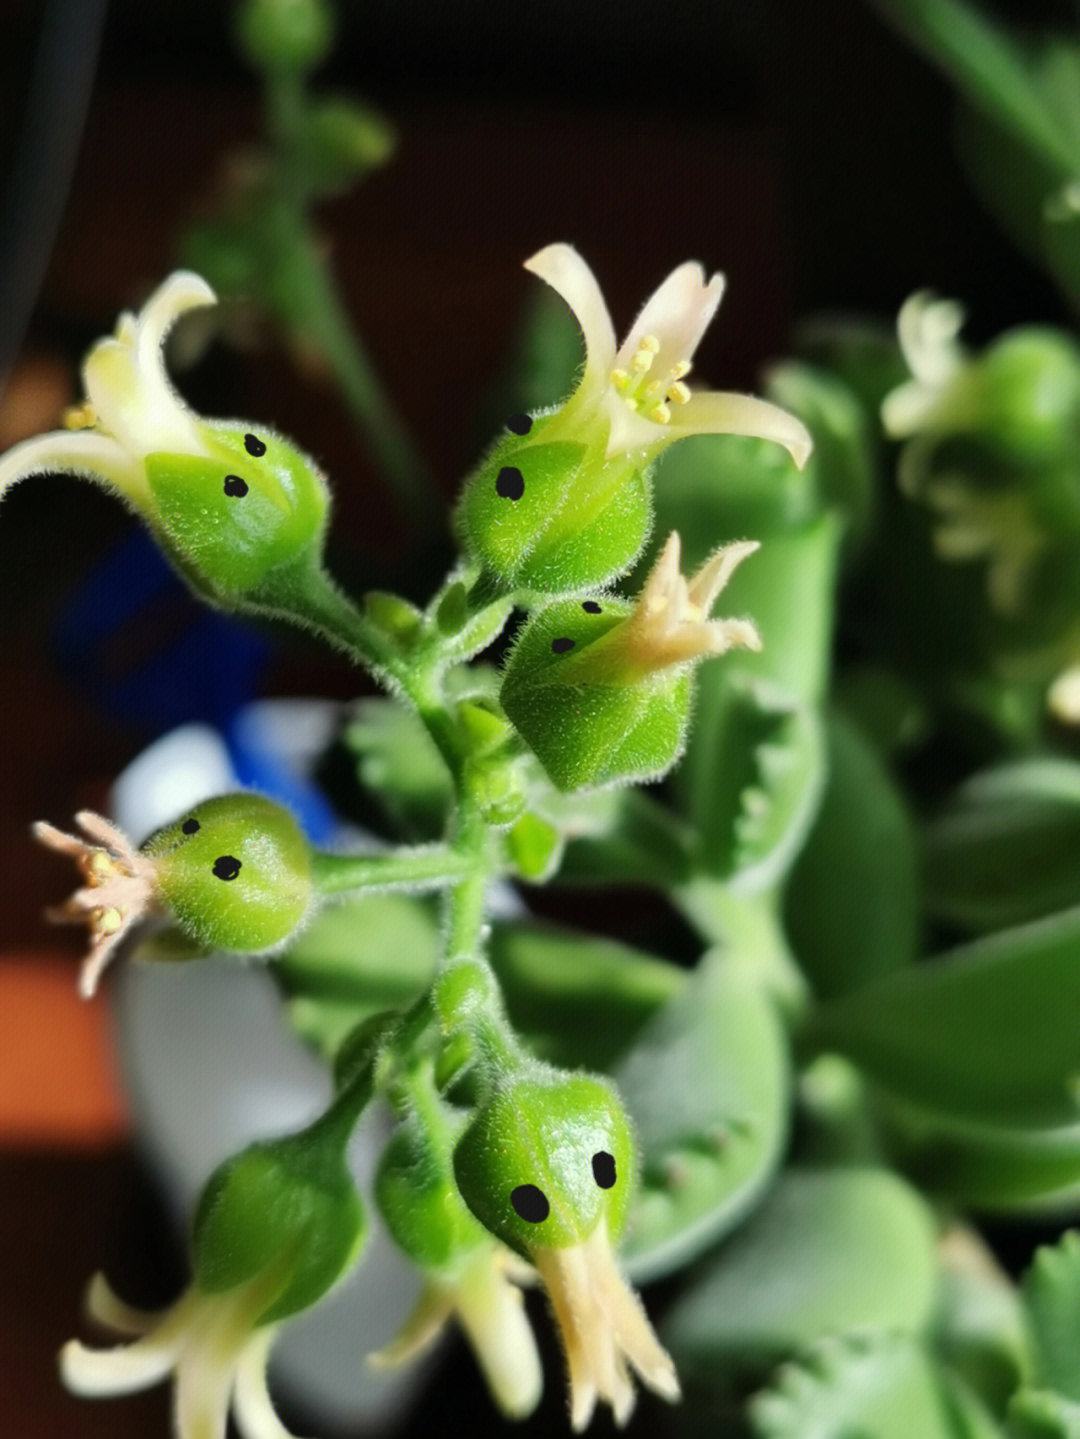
288 1208
240 520
547 1158
417 1194
235 871
555 517
588 729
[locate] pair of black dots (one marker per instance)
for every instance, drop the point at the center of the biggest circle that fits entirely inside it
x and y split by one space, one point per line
235 487
510 482
226 866
531 1203
564 643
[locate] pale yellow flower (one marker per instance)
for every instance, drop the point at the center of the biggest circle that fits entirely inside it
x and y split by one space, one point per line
637 391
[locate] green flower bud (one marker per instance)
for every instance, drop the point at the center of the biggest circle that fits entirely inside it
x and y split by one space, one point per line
546 1159
339 144
553 517
235 871
1029 396
418 1198
289 1207
285 35
240 511
601 689
563 503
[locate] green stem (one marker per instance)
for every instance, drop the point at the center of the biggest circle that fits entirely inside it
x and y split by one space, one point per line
314 308
429 867
466 902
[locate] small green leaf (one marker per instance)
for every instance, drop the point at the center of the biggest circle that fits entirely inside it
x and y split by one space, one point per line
398 763
985 1033
1006 847
889 1388
708 1086
1051 1290
752 778
834 1252
852 901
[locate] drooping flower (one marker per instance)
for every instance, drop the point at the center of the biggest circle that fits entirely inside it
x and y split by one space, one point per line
121 888
239 510
131 408
638 390
211 1345
483 1296
548 1166
604 1329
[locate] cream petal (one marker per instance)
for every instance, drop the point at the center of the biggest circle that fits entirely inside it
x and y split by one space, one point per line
678 314
97 1373
126 380
76 452
256 1417
104 1306
421 1329
492 1313
566 272
710 412
712 577
625 1313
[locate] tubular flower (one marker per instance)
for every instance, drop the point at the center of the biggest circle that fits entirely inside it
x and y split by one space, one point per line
211 1344
121 888
637 391
239 510
548 1166
604 1329
483 1296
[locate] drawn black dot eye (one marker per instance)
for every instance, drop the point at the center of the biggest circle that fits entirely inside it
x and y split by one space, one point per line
530 1203
560 646
510 483
254 445
519 424
603 1169
226 866
235 487
590 607
190 826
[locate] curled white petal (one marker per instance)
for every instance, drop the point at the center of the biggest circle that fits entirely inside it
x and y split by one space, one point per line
127 383
566 272
712 412
678 314
253 1408
104 1306
97 1373
76 452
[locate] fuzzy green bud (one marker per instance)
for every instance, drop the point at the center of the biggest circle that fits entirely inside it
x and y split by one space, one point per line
288 1207
418 1197
548 1157
554 516
600 689
285 35
1029 396
235 871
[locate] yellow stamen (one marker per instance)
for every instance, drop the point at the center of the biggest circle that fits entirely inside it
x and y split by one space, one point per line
620 379
680 369
108 921
79 417
678 393
661 414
